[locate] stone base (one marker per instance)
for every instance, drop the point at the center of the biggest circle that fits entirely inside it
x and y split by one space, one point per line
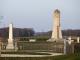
10 47
55 40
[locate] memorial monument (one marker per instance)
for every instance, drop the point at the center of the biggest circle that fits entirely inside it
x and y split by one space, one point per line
10 40
56 31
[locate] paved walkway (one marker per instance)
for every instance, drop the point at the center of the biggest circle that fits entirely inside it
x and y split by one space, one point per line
21 55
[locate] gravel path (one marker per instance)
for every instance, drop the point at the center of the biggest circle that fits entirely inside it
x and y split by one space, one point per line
21 55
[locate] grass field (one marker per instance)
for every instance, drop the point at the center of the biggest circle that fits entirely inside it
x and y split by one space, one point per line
62 57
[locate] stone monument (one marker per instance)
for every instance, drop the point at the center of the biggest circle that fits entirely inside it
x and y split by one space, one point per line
10 40
78 41
56 31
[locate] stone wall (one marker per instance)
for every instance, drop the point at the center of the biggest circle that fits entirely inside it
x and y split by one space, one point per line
41 46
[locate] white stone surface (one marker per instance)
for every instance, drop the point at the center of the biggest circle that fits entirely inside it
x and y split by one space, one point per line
70 40
56 31
10 40
78 40
32 40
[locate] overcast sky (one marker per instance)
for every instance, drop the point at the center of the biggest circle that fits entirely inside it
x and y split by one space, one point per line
37 14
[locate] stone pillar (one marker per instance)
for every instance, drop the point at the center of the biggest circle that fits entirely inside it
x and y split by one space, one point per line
69 40
16 47
78 40
0 47
10 40
56 31
65 46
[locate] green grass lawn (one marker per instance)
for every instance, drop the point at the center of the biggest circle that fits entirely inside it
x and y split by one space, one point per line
62 57
68 57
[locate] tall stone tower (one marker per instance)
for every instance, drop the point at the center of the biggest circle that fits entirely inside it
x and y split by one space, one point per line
56 31
10 40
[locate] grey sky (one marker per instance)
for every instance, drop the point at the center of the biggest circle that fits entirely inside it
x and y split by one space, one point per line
37 14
